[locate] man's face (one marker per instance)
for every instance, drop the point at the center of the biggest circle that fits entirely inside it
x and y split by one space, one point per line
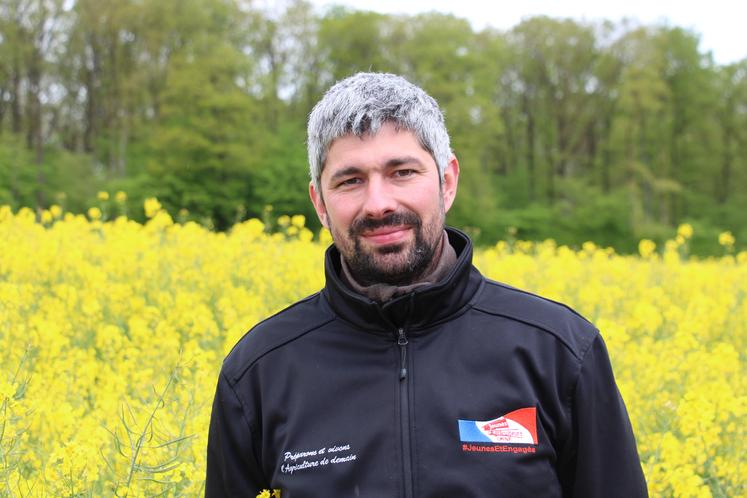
382 200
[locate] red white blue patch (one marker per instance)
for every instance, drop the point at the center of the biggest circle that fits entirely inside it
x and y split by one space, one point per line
516 427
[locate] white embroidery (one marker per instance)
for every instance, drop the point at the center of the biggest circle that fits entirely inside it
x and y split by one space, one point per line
316 458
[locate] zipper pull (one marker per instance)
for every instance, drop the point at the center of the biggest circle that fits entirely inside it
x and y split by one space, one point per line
402 343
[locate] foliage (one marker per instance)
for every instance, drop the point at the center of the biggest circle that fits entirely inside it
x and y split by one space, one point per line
114 332
627 130
60 170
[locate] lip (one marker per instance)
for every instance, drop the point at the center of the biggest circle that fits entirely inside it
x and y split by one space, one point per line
387 235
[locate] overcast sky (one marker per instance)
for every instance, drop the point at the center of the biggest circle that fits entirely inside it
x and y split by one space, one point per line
720 23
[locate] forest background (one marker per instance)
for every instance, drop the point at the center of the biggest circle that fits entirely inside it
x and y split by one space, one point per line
576 131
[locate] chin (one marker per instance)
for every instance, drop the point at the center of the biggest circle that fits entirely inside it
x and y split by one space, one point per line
390 249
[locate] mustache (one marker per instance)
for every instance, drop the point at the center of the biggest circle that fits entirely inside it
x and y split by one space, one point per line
394 219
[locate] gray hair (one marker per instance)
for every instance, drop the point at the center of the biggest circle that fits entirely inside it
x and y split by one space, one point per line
362 103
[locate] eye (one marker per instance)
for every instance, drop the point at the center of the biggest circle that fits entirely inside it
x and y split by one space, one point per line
349 181
403 173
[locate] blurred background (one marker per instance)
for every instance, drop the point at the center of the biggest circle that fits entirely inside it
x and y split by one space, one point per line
581 124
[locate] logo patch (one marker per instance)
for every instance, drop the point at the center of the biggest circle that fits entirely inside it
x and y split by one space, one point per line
516 427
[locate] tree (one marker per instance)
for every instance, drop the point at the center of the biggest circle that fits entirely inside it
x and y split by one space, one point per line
204 139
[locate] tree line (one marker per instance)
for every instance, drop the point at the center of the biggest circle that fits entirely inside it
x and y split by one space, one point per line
573 130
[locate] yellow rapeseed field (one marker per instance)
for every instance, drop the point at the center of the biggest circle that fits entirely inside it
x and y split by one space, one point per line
113 333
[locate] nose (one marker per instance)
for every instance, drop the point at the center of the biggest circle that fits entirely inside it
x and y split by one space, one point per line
380 200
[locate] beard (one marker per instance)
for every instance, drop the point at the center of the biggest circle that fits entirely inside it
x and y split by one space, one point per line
393 264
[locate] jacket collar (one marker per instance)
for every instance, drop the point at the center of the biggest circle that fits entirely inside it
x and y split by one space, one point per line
417 310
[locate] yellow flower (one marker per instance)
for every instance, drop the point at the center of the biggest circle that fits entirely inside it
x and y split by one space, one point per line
106 317
6 390
646 247
94 213
298 220
726 239
589 246
325 237
284 220
151 206
120 196
306 235
267 494
103 196
685 230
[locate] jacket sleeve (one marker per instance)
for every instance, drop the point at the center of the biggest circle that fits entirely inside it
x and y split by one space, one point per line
232 468
602 460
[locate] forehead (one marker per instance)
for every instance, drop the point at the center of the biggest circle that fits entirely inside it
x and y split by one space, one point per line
379 149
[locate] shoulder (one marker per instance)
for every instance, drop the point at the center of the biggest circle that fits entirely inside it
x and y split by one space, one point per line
554 318
276 331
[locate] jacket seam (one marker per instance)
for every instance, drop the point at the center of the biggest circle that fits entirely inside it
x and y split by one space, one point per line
527 293
241 402
581 360
269 350
568 402
261 322
557 336
253 430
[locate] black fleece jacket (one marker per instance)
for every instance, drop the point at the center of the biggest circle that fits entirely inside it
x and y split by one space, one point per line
465 388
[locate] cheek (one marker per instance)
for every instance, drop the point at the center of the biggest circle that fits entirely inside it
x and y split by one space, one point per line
341 211
337 220
431 205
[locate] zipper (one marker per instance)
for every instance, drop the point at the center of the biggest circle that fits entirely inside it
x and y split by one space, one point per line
402 343
404 403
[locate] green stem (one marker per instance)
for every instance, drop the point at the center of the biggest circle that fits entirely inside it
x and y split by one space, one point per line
141 437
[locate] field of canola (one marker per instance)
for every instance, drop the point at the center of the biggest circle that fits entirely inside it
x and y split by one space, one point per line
113 332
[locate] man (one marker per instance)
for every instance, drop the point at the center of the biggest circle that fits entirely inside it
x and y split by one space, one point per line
410 374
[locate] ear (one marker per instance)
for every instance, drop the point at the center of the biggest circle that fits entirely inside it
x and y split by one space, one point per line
318 202
450 181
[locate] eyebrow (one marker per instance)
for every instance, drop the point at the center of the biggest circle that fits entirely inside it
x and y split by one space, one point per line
391 163
398 161
349 170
